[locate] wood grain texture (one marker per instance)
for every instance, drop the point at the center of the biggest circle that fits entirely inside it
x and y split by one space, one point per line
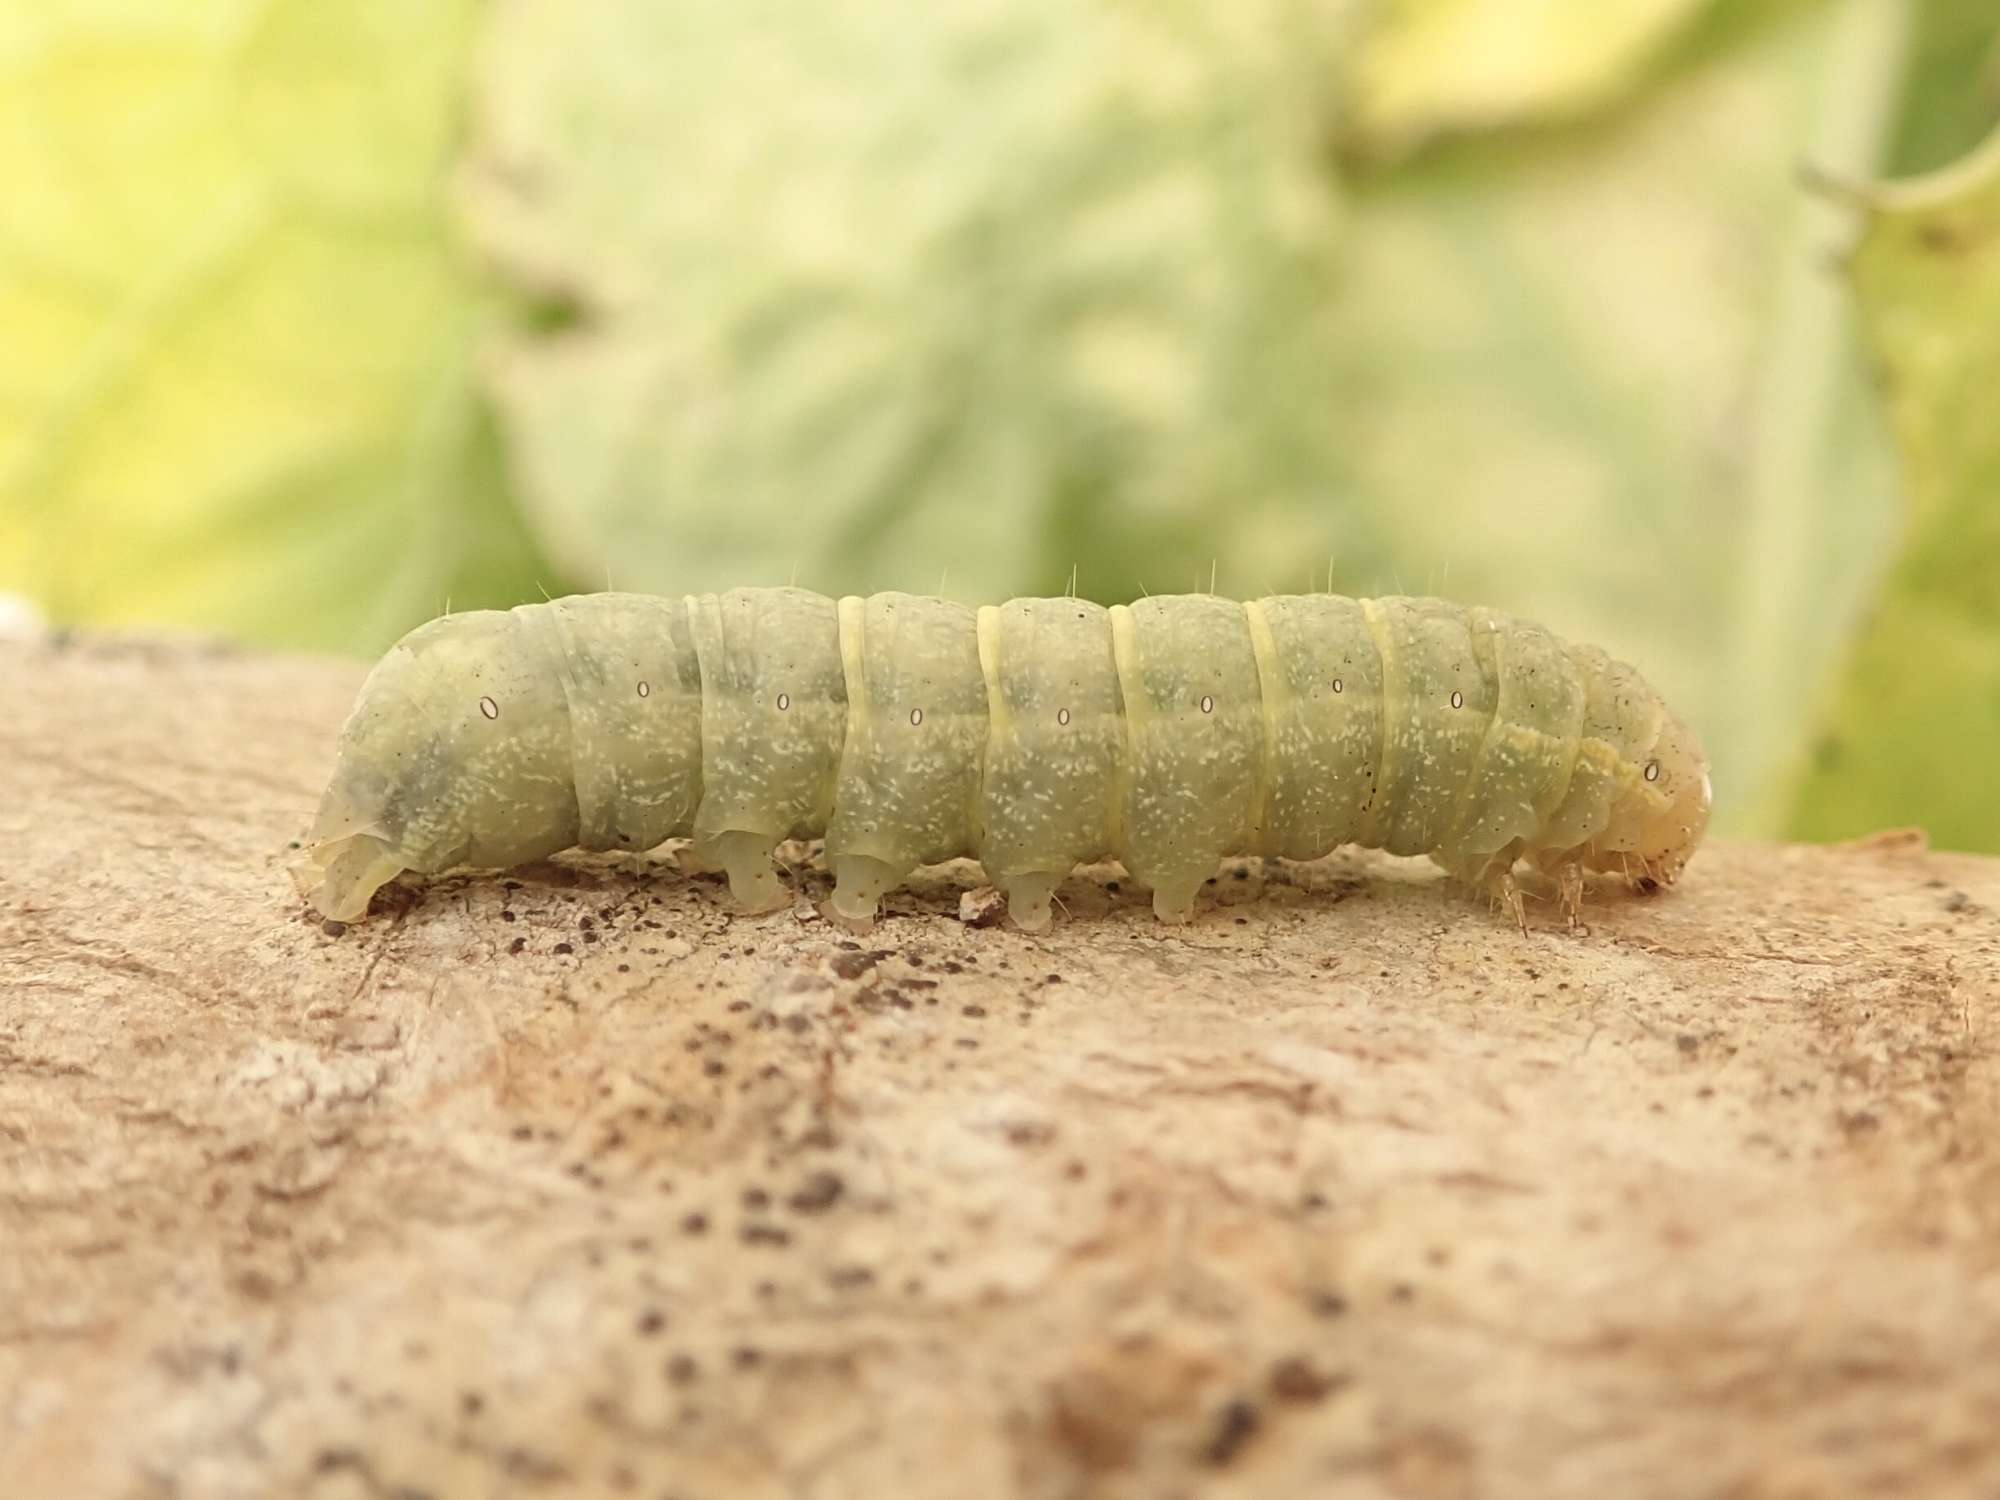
580 1184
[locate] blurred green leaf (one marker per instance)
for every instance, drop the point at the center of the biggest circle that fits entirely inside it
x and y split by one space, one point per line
1603 376
1951 93
1040 286
237 388
1432 67
1052 284
1915 732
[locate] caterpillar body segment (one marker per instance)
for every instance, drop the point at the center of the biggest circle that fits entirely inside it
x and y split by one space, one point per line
1033 735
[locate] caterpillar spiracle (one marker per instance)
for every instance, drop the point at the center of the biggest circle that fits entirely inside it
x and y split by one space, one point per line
1033 735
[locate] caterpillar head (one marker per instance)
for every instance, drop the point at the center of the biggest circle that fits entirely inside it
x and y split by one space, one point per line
453 754
1657 824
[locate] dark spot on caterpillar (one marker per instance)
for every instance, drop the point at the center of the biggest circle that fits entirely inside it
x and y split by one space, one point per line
1645 885
488 707
645 689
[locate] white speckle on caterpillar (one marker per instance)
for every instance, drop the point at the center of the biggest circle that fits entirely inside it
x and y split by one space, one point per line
1055 732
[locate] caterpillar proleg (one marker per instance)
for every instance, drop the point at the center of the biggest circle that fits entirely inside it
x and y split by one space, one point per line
1033 735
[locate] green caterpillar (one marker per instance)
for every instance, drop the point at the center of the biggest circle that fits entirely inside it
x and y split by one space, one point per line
1033 735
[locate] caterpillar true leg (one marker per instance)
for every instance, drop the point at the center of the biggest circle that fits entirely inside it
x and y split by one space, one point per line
1569 889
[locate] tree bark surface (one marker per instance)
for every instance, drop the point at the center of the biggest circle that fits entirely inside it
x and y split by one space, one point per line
573 1182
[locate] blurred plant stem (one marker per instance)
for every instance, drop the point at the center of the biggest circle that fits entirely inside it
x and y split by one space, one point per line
1797 402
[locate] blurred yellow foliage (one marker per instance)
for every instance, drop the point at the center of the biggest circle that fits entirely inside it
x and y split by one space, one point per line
1514 300
1428 67
236 381
1914 735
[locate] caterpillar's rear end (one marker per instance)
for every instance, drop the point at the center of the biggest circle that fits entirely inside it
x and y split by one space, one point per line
1032 736
491 739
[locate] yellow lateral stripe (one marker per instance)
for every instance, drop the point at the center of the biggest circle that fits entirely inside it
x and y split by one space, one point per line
989 668
1270 696
1131 693
1532 742
987 633
1628 776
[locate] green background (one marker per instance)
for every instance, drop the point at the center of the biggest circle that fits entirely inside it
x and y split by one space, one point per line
1672 323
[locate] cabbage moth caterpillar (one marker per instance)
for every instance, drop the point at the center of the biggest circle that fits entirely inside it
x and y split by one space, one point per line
1033 735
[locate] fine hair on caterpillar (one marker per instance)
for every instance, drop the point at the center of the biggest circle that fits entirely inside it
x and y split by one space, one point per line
1033 735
